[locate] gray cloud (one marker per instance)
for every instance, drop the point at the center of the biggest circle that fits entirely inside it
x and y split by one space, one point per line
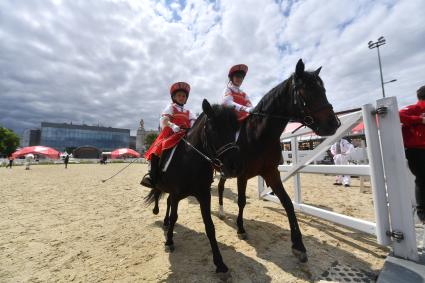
112 62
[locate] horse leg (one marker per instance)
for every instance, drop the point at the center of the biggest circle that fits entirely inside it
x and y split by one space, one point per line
156 207
298 248
241 204
169 244
205 204
167 213
220 197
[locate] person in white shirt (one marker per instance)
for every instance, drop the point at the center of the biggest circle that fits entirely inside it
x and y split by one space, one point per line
341 150
234 96
28 159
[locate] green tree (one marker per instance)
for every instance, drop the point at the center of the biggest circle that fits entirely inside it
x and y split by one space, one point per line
9 141
150 138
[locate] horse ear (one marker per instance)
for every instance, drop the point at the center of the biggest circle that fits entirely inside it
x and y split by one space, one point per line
317 71
206 107
299 69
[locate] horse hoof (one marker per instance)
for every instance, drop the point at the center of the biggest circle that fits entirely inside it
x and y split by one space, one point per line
155 210
223 270
169 248
302 256
243 236
221 214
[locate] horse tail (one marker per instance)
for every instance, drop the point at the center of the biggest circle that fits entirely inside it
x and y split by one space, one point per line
153 195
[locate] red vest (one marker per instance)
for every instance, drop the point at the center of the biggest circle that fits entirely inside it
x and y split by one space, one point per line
180 118
240 98
167 138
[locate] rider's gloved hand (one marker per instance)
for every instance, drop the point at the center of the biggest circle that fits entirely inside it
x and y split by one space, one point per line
174 127
248 109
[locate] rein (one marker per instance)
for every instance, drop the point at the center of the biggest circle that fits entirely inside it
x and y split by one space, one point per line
104 180
215 161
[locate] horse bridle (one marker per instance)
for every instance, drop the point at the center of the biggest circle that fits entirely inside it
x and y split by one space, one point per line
217 153
299 101
215 160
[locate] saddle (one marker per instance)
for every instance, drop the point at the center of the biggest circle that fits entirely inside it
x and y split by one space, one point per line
162 166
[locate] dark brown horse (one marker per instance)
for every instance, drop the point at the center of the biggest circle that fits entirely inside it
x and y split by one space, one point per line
301 98
209 143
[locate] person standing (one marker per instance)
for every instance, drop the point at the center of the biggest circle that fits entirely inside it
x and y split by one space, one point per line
28 158
412 118
234 96
66 160
341 150
10 158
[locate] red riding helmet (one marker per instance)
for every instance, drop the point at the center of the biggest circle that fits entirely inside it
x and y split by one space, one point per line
238 68
180 86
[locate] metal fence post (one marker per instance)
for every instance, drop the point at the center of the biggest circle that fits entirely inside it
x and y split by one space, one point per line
376 175
395 170
297 181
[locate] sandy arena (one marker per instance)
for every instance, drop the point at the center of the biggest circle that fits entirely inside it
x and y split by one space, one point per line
63 225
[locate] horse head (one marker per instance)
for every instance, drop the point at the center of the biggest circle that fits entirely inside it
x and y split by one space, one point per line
219 141
311 106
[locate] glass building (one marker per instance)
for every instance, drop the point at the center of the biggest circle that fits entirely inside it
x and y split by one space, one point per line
62 136
31 137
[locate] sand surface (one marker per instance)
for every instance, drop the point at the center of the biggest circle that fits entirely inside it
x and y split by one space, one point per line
62 225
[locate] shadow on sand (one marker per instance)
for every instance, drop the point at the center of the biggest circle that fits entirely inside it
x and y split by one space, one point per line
271 243
192 261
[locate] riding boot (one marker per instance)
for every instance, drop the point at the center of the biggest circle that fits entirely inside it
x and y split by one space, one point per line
149 180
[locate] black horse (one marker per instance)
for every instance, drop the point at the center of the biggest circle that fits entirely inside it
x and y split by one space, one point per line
301 98
209 144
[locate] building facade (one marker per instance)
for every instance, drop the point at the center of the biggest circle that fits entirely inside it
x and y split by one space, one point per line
132 142
30 137
61 136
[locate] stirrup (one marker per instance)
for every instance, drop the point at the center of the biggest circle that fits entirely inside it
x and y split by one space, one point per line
147 181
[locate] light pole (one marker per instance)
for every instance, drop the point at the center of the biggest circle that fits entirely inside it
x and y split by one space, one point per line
381 41
390 81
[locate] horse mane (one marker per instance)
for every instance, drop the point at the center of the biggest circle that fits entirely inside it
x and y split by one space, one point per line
270 100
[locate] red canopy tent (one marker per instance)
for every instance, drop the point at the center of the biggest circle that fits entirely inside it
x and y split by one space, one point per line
124 152
358 129
44 150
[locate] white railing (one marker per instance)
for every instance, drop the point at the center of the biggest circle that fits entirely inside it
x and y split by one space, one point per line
392 187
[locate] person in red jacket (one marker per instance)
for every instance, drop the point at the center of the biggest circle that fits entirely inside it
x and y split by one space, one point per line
174 120
413 119
235 97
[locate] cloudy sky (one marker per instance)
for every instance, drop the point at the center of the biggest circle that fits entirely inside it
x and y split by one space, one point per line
112 62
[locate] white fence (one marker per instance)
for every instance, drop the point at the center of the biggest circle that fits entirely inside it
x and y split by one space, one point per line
392 185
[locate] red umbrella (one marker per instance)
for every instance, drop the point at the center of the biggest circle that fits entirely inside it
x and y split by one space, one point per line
124 152
44 150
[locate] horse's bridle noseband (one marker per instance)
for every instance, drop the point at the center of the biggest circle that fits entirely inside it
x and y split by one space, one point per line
299 101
